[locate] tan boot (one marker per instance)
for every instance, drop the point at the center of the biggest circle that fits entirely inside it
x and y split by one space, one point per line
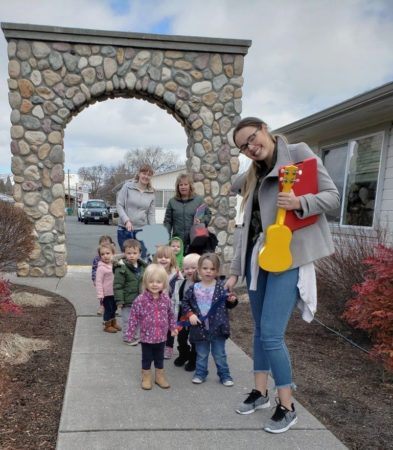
115 325
161 379
108 327
146 380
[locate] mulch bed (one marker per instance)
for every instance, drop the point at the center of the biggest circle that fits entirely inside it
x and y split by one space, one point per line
337 383
31 394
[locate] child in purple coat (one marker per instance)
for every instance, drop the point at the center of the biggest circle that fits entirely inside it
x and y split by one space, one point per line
152 311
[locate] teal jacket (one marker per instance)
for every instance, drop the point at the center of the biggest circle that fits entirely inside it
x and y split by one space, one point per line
127 281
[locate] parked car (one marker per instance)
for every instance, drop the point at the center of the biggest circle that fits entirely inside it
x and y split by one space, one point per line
96 211
81 212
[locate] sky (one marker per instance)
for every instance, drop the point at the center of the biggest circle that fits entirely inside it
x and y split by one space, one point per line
306 55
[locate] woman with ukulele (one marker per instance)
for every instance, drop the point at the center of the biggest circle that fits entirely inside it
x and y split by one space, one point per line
273 295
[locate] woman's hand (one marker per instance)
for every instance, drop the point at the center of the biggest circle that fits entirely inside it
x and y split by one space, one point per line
288 201
194 320
128 225
197 220
175 332
230 283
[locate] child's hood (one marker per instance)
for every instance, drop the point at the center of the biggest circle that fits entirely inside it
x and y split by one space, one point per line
106 266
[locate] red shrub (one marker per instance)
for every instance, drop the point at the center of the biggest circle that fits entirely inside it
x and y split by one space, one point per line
6 303
372 308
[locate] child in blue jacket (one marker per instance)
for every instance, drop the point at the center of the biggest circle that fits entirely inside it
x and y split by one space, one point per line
206 304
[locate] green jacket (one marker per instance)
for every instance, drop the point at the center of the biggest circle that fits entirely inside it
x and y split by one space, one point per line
127 282
179 217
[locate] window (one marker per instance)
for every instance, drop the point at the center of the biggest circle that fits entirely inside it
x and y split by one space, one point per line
354 168
163 197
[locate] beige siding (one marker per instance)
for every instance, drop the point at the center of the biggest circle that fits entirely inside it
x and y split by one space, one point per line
386 213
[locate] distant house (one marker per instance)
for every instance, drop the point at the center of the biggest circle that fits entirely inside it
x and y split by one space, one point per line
355 141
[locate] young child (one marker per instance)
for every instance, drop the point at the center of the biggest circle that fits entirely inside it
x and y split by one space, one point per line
128 281
178 249
104 287
105 239
207 301
187 353
166 258
152 311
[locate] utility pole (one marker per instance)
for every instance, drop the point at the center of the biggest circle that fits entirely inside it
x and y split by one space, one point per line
69 192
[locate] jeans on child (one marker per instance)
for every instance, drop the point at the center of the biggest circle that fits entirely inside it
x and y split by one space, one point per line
272 305
217 348
109 308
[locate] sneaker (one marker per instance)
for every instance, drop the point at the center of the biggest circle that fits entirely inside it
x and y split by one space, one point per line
168 352
100 310
255 400
228 382
282 419
190 366
133 343
180 361
197 380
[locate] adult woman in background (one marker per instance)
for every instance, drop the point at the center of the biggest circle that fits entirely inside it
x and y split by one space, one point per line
273 296
180 211
135 205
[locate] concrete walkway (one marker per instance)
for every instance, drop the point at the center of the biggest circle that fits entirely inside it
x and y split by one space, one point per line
104 407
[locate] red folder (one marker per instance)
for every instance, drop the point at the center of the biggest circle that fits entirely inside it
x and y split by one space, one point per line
307 183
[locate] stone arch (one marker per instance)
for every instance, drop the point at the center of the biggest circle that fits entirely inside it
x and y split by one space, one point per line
56 72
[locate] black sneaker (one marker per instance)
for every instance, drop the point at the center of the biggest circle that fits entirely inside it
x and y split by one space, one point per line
255 400
180 361
282 420
190 366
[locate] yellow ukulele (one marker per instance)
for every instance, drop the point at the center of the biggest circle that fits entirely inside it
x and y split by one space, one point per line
275 255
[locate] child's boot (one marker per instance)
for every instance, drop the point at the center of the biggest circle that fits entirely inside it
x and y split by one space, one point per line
115 325
146 380
108 327
161 379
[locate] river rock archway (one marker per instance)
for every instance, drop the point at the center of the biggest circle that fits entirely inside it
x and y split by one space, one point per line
55 72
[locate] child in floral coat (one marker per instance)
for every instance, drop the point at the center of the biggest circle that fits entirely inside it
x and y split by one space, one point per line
153 312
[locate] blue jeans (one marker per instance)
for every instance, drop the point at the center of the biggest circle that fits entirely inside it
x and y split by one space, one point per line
217 347
123 235
272 305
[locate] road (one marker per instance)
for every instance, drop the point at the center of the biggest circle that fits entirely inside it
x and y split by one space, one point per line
82 240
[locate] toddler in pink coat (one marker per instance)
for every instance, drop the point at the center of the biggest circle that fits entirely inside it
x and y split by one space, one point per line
152 311
104 287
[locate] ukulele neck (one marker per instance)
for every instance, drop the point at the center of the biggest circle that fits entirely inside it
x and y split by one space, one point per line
281 212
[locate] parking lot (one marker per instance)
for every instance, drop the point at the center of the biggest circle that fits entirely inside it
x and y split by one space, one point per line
82 240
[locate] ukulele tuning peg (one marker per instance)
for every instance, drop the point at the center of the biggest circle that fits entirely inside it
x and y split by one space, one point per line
282 170
300 172
297 180
281 179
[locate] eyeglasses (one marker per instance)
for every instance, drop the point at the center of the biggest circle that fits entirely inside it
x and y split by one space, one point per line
243 148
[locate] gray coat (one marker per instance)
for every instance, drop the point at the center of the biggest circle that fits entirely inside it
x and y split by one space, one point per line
309 243
137 206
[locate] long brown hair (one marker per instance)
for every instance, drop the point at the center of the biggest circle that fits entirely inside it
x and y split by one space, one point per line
251 176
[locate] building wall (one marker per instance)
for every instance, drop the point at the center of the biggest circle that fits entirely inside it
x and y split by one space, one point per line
386 214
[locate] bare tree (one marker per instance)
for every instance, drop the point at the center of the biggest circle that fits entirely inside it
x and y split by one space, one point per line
114 178
161 160
95 175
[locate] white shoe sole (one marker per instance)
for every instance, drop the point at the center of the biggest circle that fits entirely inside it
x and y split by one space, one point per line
282 430
244 413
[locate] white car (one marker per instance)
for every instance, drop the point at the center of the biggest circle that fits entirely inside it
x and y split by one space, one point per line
81 212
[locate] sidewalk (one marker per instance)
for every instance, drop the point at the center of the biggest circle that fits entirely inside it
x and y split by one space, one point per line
104 407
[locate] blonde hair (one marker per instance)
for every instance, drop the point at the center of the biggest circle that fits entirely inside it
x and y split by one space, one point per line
184 176
191 258
155 272
167 252
251 177
109 246
213 258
